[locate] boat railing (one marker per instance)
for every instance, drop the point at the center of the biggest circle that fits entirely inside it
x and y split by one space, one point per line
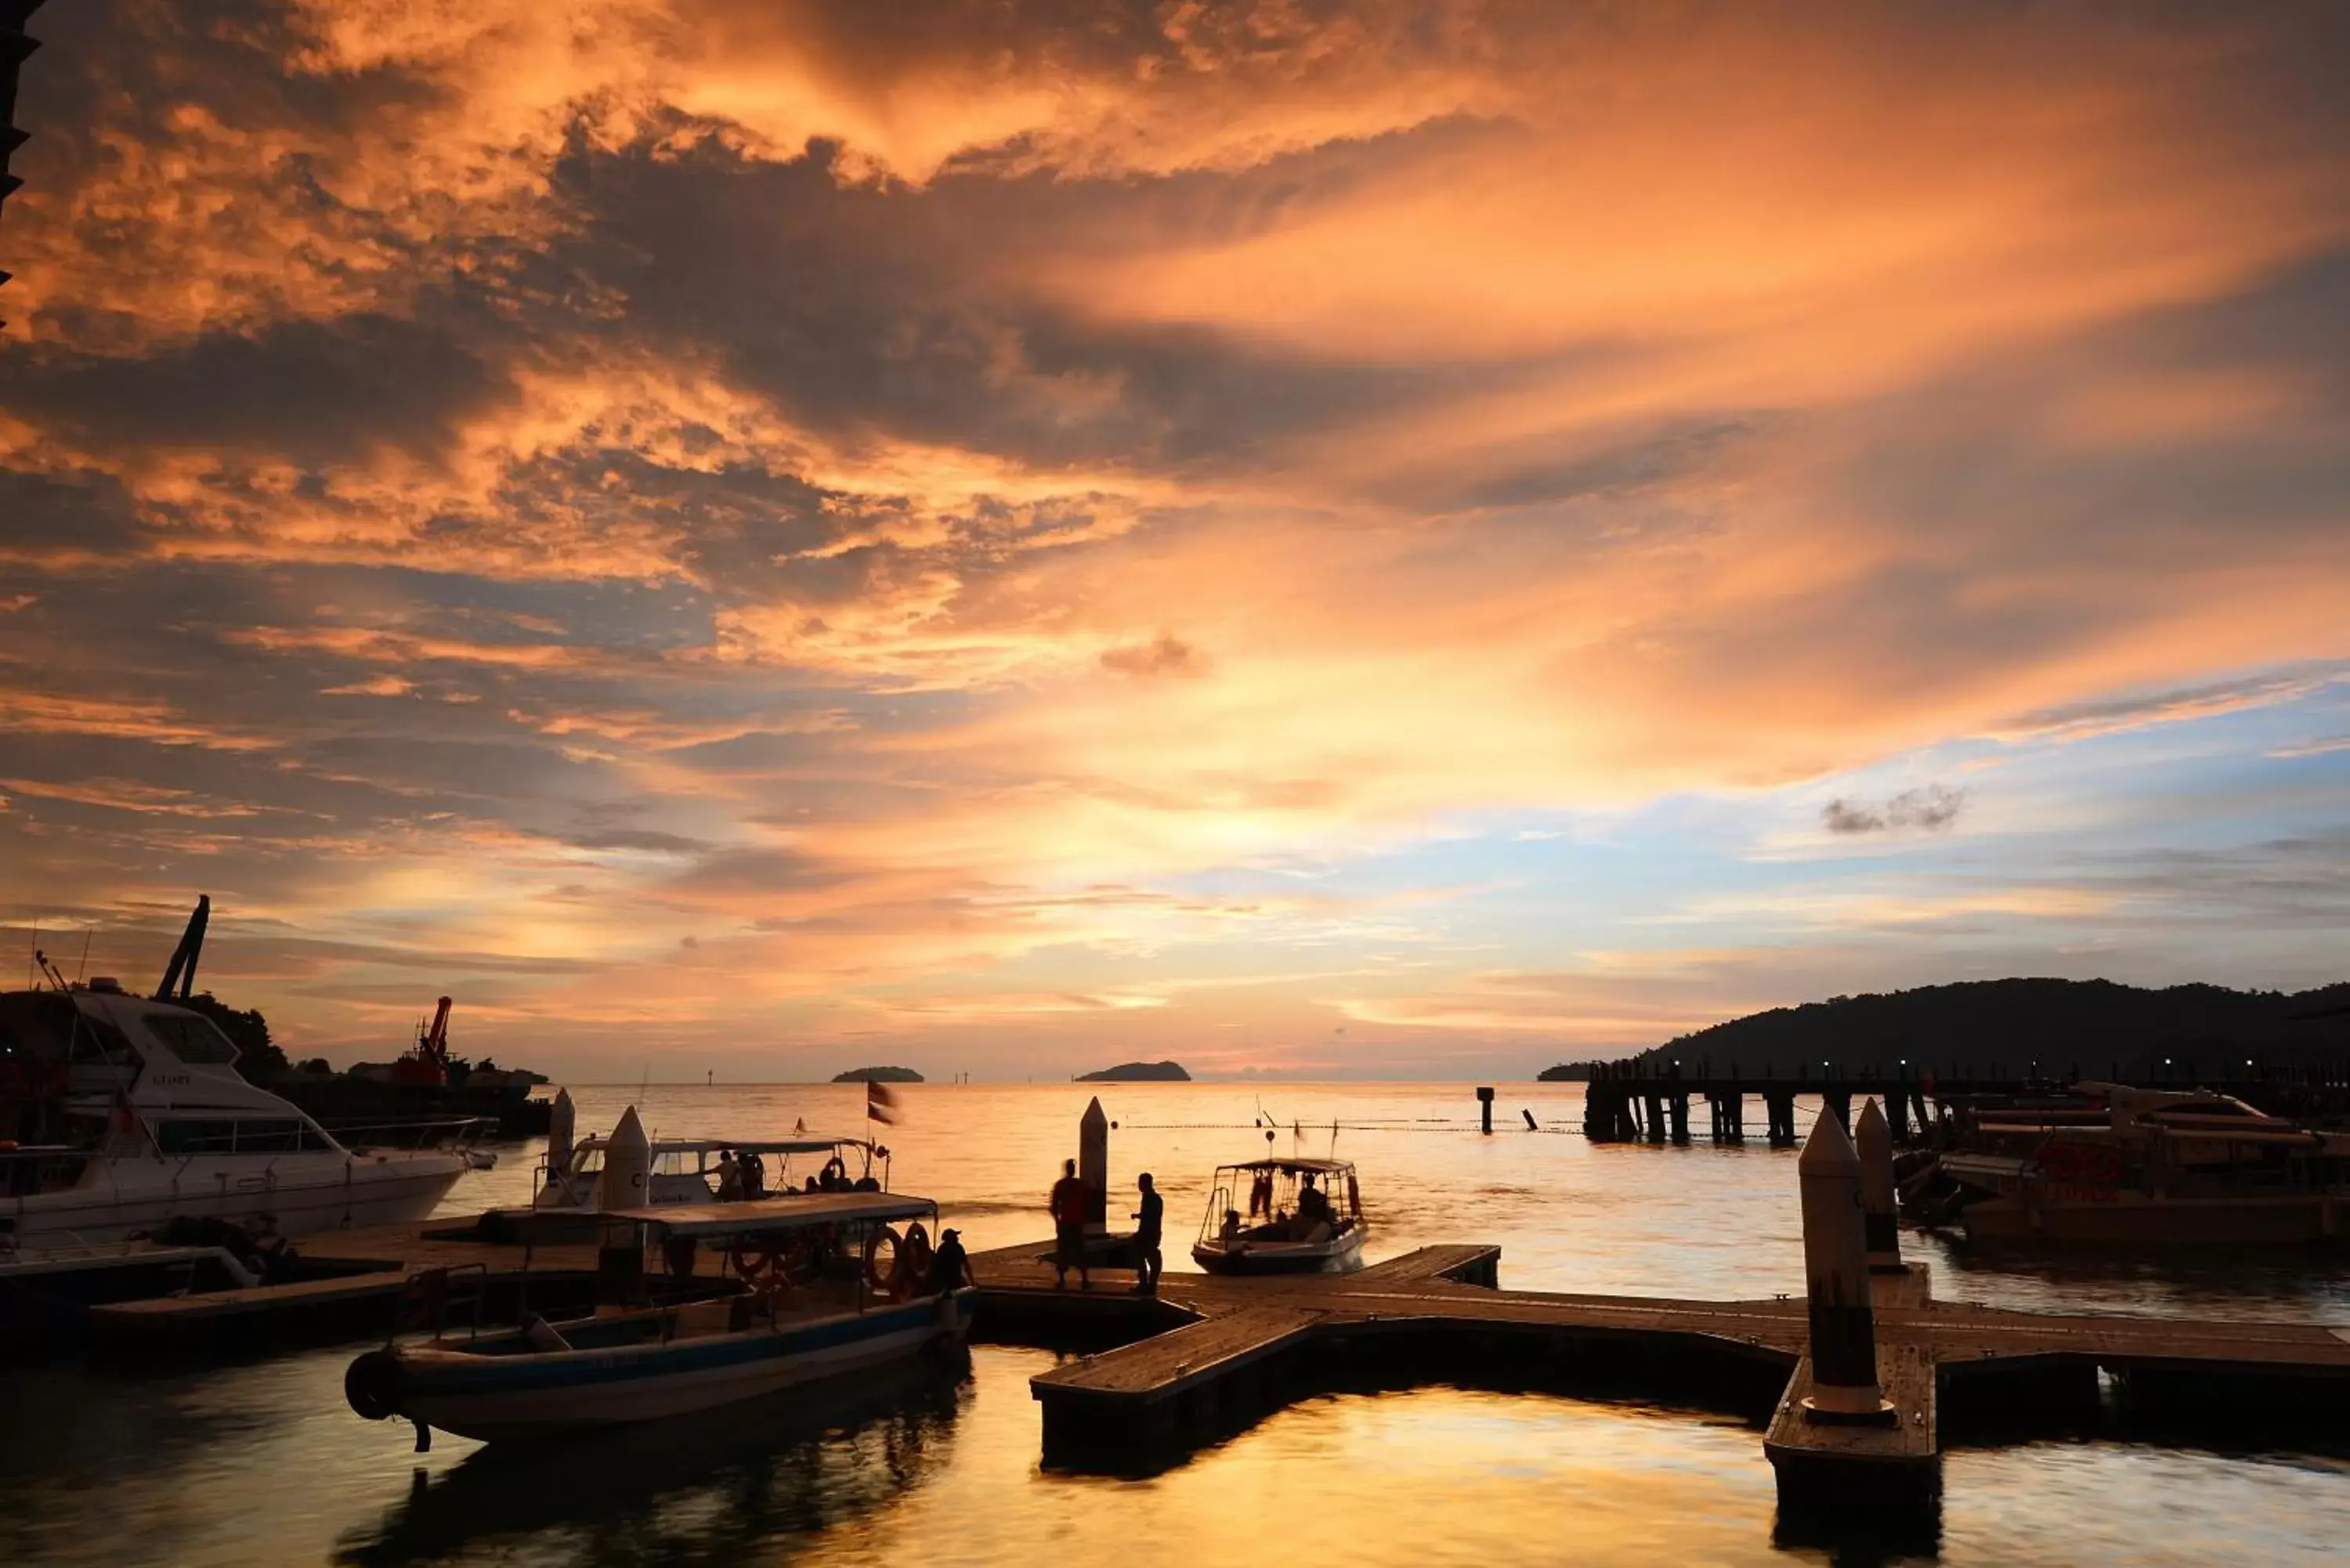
457 1133
426 1294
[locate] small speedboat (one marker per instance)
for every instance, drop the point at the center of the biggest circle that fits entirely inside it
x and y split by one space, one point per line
826 1285
1302 1217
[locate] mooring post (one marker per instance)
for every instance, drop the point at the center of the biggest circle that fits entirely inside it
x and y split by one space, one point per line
1093 1165
562 1123
1485 1107
1835 1270
1881 1222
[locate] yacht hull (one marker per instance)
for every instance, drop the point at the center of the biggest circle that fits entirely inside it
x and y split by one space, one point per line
2133 1220
362 1192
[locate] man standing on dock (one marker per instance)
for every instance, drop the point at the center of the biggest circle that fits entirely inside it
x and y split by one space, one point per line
1069 1228
1148 1264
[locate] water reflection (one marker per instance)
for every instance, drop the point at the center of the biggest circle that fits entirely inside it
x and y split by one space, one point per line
264 1463
773 1475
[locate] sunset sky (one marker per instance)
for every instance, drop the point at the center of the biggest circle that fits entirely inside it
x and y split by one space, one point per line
1368 539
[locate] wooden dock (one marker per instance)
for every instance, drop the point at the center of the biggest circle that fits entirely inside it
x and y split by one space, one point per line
352 1287
1219 1354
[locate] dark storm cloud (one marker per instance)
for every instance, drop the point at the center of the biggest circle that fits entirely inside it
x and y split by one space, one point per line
866 307
1164 654
1931 808
319 393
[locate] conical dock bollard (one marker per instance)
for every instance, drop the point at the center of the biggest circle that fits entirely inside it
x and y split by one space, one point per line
624 1184
1835 1270
1881 1219
1093 1165
562 1123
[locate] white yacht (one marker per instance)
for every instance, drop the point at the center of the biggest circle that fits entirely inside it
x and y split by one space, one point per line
120 1113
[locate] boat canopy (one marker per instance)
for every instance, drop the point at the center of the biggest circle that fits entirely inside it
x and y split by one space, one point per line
811 1144
765 1215
1294 1167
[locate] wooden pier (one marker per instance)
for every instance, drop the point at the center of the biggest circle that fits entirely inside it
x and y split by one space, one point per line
1638 1102
1219 1354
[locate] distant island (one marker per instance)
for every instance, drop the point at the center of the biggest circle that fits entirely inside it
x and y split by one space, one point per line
878 1076
2094 1024
1138 1072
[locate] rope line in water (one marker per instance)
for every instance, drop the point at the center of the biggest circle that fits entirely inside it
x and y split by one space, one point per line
1308 1130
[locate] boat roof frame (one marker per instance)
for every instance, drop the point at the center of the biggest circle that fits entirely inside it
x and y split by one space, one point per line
1296 1166
765 1216
811 1144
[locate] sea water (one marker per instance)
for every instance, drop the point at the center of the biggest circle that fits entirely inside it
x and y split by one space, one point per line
263 1463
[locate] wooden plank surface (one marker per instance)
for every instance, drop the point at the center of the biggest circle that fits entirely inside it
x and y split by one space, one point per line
1424 1262
254 1298
1158 1368
1904 1374
1407 1286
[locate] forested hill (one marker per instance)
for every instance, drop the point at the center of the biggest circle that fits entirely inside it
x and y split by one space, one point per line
2091 1023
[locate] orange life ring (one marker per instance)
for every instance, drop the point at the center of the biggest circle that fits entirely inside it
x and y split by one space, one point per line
751 1261
911 1275
875 1276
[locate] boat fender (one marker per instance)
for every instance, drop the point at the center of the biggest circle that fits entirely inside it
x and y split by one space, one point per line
875 1275
372 1384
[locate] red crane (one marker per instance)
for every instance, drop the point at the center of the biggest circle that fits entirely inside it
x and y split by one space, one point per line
428 1062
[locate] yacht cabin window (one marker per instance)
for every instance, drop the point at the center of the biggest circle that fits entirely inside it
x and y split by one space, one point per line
194 1040
235 1135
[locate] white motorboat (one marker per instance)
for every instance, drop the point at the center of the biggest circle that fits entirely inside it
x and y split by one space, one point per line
829 1288
687 1169
120 1114
1303 1217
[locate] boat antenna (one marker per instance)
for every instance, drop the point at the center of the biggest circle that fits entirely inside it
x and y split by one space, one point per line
83 968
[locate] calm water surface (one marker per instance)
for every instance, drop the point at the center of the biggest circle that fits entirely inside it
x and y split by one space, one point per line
263 1463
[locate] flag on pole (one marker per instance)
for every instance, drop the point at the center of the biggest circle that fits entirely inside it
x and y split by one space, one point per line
882 1103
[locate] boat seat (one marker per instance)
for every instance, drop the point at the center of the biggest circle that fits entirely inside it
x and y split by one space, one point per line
695 1319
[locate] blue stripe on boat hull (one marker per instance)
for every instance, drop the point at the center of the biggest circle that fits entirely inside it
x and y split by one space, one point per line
493 1398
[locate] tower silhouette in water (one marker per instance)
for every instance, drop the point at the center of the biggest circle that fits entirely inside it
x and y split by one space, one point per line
14 48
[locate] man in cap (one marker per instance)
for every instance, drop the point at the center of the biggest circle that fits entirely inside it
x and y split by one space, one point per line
950 1265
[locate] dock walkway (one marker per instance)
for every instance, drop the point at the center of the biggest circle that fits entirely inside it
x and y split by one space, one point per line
1222 1352
359 1279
